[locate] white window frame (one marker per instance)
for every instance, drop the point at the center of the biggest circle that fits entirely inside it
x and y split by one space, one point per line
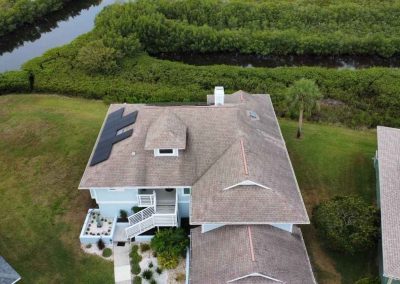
173 154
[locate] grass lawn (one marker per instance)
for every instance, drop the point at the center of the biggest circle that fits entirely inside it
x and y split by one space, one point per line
45 142
332 161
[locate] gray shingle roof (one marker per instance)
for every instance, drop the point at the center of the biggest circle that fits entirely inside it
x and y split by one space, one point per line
226 253
224 146
168 131
389 184
7 274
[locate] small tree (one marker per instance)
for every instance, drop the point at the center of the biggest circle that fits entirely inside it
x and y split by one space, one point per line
347 224
95 57
303 96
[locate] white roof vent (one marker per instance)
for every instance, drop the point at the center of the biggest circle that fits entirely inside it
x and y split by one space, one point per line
219 95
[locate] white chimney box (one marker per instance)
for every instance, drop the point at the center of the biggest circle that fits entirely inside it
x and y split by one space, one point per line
219 95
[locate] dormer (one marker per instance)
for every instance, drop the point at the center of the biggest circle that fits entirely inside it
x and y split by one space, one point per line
166 135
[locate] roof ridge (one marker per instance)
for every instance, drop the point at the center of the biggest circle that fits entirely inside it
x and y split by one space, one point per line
246 170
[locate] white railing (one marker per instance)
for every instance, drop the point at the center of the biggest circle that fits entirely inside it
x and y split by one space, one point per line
145 200
141 215
149 219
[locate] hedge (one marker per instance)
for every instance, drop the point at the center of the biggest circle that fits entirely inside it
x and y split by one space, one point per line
257 27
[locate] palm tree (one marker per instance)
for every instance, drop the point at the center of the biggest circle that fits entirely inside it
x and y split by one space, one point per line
303 96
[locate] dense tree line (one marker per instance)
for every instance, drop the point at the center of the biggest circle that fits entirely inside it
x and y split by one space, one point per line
259 27
15 13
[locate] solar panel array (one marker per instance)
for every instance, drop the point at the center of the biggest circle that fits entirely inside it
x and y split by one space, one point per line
109 136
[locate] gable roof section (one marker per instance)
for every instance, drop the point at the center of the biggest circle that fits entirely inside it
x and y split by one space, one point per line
389 185
167 132
7 274
249 254
259 155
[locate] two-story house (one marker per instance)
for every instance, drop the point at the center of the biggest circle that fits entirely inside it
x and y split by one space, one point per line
224 166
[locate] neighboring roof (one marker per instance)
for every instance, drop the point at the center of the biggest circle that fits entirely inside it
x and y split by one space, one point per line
251 254
224 147
167 132
7 274
389 184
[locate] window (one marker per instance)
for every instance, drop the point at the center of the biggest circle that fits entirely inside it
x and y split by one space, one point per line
166 152
186 191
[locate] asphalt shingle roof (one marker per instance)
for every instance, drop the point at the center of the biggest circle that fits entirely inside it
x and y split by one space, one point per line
389 184
224 146
7 274
236 251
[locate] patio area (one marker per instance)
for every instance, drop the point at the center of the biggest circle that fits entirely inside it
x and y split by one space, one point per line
97 227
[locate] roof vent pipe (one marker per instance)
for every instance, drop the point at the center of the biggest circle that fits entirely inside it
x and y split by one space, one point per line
219 96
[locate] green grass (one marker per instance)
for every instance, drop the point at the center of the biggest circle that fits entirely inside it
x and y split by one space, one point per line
331 161
44 146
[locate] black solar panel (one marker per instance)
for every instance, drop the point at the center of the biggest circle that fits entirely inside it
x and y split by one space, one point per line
108 137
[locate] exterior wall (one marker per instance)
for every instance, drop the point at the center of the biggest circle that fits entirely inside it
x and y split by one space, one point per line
208 227
112 201
285 227
183 203
89 239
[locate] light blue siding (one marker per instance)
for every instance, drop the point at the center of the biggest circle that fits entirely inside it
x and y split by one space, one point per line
183 210
116 195
113 209
209 227
285 227
112 201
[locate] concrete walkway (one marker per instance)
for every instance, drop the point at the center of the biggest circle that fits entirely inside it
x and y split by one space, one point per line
122 266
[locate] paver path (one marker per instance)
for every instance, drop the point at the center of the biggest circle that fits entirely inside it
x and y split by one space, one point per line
122 267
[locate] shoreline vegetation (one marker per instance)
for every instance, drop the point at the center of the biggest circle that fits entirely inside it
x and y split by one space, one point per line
111 62
16 14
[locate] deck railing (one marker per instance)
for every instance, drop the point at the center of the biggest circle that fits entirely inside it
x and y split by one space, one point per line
148 219
145 200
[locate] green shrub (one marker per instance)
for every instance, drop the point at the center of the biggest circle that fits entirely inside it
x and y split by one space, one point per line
151 265
136 209
147 274
347 224
135 268
88 246
159 270
107 252
168 261
173 241
137 280
95 57
180 277
152 281
144 247
14 82
123 214
368 280
100 244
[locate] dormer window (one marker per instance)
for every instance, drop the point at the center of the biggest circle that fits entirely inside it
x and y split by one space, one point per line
166 135
166 152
